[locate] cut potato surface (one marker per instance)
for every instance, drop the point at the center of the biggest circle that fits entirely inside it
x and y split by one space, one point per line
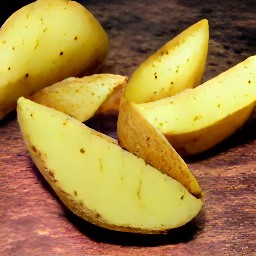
176 66
197 119
97 179
82 97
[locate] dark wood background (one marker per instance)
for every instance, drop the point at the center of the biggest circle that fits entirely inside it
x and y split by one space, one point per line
32 219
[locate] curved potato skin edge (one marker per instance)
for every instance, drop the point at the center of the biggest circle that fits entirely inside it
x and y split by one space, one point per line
138 136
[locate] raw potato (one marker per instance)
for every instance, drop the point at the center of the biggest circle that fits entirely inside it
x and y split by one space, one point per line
176 66
198 119
138 136
46 42
81 98
98 180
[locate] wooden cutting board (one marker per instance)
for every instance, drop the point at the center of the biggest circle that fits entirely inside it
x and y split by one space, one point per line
34 222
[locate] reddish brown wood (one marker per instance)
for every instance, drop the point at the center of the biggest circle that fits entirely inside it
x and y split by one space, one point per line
34 222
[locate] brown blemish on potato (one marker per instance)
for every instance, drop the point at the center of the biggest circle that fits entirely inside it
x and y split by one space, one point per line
138 193
101 165
81 204
33 148
82 150
97 215
51 173
36 45
64 192
164 52
196 118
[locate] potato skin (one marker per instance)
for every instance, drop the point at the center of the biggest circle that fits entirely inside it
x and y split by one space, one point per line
45 42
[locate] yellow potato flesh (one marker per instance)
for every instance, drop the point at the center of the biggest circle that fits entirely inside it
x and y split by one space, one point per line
197 119
111 105
138 136
82 97
97 179
46 42
176 66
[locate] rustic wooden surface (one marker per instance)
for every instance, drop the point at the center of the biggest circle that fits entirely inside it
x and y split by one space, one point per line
34 222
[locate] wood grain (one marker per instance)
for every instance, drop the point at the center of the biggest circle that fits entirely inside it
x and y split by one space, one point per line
34 222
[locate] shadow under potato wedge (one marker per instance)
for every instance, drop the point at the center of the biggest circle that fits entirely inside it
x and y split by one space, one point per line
198 119
97 179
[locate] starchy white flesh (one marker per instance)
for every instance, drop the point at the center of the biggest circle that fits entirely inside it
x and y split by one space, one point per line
176 66
82 97
97 179
198 119
45 42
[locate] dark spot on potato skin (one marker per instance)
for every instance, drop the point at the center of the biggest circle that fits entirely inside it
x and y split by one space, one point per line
82 150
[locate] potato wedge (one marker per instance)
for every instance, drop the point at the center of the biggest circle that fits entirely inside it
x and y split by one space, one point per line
176 66
45 42
82 97
98 180
200 118
138 136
